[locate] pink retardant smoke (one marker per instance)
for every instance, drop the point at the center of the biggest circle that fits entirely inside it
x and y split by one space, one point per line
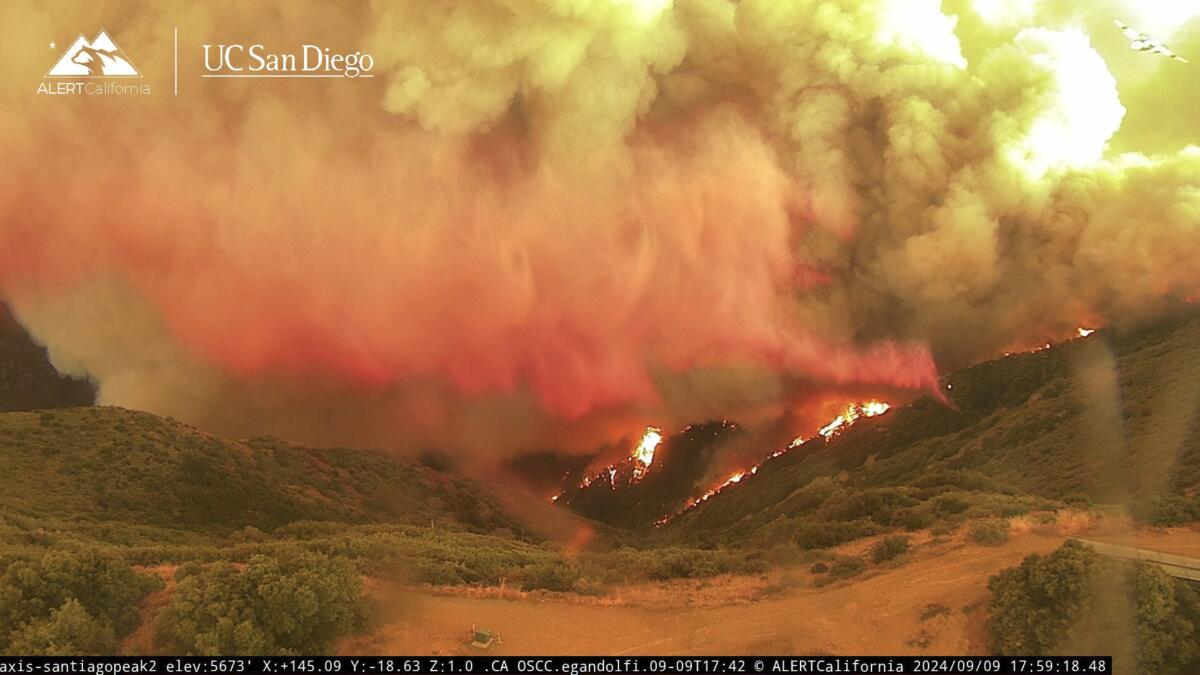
369 262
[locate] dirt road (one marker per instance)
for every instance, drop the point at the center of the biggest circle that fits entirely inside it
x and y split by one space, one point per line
879 612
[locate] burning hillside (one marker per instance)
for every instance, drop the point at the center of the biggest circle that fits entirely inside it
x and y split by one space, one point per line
656 485
629 470
620 479
1020 425
634 493
834 427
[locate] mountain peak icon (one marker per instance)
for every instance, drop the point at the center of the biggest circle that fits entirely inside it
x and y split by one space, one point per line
99 58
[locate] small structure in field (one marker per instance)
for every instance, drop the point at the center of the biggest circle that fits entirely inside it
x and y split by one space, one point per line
483 638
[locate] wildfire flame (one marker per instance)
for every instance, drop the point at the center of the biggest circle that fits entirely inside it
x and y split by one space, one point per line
643 455
641 458
837 425
843 421
1080 331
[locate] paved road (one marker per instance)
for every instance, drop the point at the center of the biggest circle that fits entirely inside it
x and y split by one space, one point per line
1175 565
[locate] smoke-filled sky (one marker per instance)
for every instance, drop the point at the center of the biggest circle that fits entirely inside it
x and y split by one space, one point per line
544 223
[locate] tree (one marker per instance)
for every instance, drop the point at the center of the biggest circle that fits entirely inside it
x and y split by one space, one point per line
1073 601
104 586
1167 640
989 532
67 631
1034 604
270 607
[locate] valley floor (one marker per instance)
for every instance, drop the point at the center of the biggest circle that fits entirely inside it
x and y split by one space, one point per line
877 613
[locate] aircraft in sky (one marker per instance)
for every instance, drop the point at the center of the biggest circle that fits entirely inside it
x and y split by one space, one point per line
1141 42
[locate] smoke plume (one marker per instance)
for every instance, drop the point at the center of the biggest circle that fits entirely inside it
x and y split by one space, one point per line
543 223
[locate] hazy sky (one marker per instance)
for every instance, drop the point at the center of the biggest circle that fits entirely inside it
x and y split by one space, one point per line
548 223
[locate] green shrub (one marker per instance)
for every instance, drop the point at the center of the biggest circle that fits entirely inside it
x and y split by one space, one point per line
949 505
1010 510
297 606
888 548
914 520
785 553
671 562
104 586
439 573
844 567
819 568
186 570
1078 499
989 532
878 504
1034 604
248 534
1167 510
589 586
1046 517
934 610
67 631
810 535
1072 597
944 528
551 576
1168 635
963 480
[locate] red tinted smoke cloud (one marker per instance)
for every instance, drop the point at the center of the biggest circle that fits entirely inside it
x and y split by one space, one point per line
424 259
543 224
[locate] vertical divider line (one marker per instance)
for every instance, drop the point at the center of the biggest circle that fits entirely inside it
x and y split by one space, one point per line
176 60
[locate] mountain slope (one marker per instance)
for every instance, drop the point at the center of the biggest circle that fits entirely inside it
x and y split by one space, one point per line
93 467
156 492
27 380
1110 418
622 498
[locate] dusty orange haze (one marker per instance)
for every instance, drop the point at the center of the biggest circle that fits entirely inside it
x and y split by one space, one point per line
547 223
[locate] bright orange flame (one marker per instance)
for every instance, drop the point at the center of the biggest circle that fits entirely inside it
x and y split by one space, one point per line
696 501
843 421
643 454
641 458
853 413
1080 331
873 408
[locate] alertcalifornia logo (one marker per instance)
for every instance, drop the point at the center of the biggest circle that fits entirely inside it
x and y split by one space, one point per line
96 66
101 66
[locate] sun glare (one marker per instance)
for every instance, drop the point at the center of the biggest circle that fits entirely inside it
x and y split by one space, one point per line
646 11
